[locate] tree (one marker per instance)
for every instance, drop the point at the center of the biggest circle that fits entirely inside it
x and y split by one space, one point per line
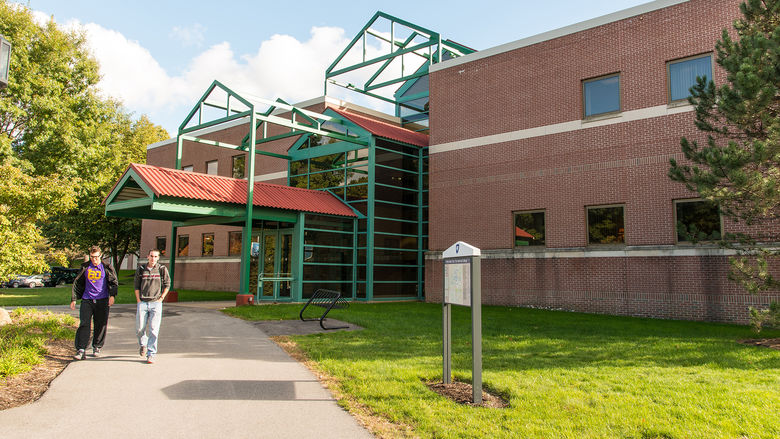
25 200
739 168
117 142
57 130
51 91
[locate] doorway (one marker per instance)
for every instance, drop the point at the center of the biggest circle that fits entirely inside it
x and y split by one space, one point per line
274 274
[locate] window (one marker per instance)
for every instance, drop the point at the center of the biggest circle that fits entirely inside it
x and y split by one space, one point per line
234 243
529 229
188 168
697 220
207 247
239 164
162 244
605 225
682 75
211 167
183 248
601 95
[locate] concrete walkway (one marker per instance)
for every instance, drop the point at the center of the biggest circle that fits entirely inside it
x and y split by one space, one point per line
216 377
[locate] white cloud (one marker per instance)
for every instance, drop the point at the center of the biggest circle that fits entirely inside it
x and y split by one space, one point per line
282 67
189 36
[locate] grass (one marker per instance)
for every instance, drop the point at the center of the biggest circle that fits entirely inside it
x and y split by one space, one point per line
22 343
565 375
61 295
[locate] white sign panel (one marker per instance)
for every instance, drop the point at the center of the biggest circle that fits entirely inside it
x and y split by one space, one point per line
457 281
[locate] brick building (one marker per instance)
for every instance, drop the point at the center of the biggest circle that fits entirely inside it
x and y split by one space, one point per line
550 154
571 133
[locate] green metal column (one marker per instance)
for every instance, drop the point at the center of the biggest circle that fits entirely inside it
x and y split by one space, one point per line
299 250
179 146
370 219
246 238
420 259
172 260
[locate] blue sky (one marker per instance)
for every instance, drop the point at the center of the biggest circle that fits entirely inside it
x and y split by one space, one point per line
159 56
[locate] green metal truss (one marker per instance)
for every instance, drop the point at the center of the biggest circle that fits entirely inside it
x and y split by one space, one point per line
404 41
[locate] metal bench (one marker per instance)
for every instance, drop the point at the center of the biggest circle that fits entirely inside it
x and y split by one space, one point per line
327 299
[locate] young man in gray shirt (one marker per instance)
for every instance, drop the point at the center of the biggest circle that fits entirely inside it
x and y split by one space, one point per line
152 283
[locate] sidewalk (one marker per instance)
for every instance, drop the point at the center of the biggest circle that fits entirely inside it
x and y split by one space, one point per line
216 377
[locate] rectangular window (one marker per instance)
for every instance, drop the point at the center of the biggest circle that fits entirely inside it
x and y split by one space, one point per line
606 225
207 247
162 244
238 167
188 168
697 220
183 247
682 75
529 229
234 243
211 167
601 95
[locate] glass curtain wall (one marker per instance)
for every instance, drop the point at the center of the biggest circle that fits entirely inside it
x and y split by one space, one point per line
338 251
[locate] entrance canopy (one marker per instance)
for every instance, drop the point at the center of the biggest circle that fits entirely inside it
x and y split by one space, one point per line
190 198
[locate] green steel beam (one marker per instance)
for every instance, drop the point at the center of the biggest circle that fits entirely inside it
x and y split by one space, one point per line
377 59
397 80
247 235
386 63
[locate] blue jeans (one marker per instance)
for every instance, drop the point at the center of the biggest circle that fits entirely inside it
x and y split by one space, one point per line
147 325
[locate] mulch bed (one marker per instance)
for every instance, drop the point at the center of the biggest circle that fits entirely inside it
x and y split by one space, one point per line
28 387
772 343
462 393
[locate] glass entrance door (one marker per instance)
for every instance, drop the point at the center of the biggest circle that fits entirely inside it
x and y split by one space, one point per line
274 280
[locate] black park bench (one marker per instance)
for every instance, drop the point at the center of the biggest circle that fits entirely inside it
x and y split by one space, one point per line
327 299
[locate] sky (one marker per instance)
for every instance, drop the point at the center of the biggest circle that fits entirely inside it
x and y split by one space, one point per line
159 56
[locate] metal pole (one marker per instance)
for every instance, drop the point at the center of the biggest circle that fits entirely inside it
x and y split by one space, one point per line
476 329
447 344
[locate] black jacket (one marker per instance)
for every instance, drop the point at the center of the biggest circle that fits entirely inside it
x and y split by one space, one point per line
80 282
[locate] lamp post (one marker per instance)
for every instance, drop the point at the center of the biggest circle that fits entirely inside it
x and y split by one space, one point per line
5 61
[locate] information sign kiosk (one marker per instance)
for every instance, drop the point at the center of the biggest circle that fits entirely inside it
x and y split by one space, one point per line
463 286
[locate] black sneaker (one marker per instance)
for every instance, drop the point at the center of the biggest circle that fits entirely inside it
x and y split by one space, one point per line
80 355
142 351
95 352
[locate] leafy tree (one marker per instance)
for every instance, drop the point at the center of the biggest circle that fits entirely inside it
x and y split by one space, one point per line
739 168
56 130
51 91
118 141
25 200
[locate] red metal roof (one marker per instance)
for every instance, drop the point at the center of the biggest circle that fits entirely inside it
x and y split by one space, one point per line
385 129
195 186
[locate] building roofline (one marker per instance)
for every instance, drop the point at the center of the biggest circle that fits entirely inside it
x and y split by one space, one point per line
318 100
557 33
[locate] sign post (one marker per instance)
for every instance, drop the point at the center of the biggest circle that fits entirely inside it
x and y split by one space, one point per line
463 286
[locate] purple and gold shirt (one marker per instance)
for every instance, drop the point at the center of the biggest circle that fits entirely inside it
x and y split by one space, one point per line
95 286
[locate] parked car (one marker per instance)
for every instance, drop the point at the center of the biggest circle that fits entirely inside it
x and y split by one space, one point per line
61 276
36 280
14 281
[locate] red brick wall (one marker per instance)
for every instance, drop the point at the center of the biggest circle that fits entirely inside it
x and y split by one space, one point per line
474 191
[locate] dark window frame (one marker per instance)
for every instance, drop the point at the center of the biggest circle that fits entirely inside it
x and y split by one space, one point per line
621 231
585 114
179 248
541 246
203 244
679 241
669 64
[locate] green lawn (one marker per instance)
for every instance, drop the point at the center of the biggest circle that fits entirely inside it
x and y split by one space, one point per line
22 343
61 295
565 375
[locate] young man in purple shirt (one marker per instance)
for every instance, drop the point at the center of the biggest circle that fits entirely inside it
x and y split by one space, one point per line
96 285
